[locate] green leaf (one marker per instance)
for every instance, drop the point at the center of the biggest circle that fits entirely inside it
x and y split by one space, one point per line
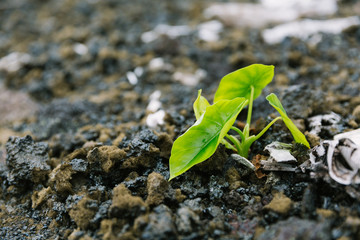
200 105
298 136
239 82
200 141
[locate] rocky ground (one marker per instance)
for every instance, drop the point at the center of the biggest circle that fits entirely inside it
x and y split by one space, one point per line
93 94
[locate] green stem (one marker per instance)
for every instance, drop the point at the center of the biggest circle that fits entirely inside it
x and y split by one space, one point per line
248 121
242 136
245 146
235 141
246 131
266 128
228 145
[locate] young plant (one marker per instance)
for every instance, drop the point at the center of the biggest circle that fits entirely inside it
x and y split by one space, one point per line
213 122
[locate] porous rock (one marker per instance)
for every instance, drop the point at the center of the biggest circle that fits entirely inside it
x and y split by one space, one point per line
27 160
141 154
186 220
63 116
157 225
218 222
295 228
301 101
217 187
233 199
194 188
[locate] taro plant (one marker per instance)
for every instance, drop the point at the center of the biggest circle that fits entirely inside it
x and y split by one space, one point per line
213 122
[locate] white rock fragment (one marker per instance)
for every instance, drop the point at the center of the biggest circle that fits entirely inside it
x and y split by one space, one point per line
243 161
269 11
190 79
139 71
154 103
155 119
157 64
316 153
163 29
280 152
133 79
304 7
342 156
246 14
201 73
14 61
303 29
326 121
150 36
343 159
352 135
80 48
210 31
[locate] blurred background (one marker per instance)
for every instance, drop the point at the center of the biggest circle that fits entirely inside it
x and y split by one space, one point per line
118 61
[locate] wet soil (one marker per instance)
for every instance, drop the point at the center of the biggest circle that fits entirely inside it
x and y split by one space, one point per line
89 111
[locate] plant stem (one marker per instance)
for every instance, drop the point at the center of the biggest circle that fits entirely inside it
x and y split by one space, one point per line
248 121
235 141
242 136
244 146
266 128
228 145
246 131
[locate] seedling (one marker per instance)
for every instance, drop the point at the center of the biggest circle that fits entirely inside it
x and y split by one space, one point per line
213 122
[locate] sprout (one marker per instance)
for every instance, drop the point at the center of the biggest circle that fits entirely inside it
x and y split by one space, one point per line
236 90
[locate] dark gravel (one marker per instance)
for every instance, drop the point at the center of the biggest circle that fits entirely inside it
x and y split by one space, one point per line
82 159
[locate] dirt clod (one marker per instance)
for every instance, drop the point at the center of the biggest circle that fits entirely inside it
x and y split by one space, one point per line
157 188
83 212
105 157
126 206
280 204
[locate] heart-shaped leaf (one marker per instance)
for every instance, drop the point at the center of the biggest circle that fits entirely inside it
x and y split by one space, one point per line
200 105
298 136
239 82
200 141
